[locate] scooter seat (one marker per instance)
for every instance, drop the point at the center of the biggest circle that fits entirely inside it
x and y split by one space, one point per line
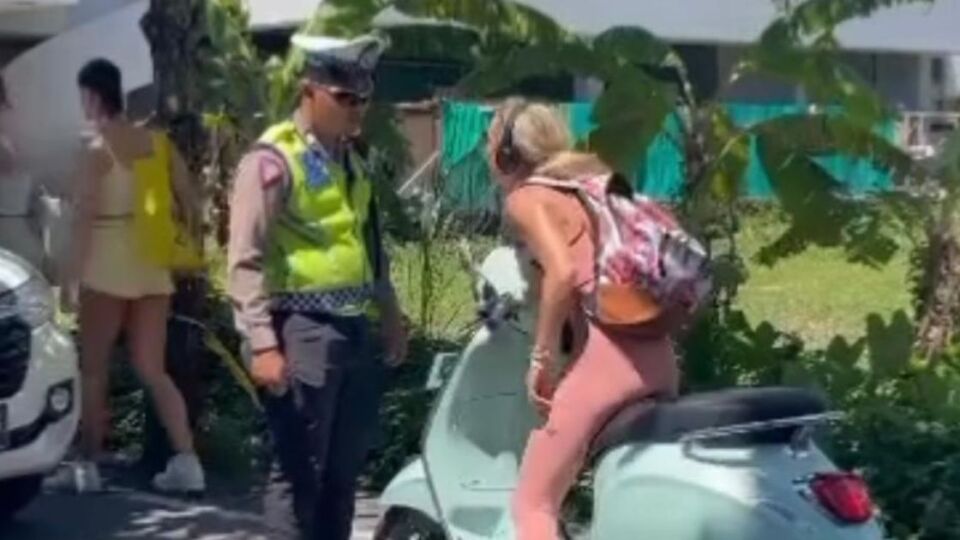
651 421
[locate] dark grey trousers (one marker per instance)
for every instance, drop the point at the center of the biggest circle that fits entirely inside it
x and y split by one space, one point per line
323 426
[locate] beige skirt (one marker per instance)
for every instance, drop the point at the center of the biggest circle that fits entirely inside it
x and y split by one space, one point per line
115 267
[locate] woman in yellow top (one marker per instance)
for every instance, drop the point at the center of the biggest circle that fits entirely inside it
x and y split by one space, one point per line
118 288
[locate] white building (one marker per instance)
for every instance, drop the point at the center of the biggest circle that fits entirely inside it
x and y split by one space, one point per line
904 52
43 44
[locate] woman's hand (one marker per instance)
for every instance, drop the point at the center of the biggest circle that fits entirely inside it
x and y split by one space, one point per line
540 388
540 381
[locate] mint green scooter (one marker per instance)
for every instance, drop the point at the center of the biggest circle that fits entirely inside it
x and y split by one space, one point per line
732 465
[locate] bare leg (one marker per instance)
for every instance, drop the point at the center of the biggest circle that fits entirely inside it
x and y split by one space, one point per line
147 328
101 317
603 379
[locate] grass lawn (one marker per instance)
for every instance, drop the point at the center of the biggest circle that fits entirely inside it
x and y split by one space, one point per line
819 294
816 294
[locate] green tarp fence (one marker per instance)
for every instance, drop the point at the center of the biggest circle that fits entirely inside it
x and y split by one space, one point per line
468 184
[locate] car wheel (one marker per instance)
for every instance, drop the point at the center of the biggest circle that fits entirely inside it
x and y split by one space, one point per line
409 525
17 493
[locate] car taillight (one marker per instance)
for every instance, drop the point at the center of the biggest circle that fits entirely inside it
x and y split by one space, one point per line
845 495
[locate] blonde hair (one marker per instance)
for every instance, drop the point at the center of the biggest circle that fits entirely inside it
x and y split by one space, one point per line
543 141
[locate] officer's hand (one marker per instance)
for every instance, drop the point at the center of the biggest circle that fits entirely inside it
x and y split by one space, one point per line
396 338
269 370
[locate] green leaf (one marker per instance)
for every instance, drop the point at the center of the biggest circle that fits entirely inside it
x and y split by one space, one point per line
890 345
819 212
628 115
949 159
632 45
805 190
839 369
819 17
497 73
827 134
214 120
727 170
728 272
216 21
821 73
344 18
840 352
448 42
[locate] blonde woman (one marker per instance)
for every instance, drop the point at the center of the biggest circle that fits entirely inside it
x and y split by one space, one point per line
118 290
609 369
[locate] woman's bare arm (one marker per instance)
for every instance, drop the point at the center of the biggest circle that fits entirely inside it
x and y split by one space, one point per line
95 165
543 234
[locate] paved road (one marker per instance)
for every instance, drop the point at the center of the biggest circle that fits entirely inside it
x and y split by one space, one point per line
130 514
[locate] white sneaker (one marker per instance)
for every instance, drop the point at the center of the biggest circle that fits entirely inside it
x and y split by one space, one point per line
79 477
183 474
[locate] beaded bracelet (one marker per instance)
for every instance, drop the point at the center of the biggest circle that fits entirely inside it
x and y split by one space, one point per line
539 356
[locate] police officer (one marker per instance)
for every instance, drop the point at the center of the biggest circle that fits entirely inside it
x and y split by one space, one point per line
309 282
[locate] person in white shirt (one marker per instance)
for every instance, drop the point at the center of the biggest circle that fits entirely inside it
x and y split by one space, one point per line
21 200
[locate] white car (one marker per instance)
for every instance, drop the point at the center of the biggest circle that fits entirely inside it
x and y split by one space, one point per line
39 384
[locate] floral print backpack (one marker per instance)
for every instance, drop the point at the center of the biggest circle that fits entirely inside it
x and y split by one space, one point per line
650 273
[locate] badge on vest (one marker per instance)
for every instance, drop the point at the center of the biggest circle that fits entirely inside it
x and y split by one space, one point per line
318 173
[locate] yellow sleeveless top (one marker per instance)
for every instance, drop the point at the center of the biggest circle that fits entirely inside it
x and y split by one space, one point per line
114 264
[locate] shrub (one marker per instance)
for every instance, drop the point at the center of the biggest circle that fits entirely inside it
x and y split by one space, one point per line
405 411
902 430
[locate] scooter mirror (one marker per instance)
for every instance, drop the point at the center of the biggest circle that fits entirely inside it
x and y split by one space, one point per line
465 255
441 370
498 309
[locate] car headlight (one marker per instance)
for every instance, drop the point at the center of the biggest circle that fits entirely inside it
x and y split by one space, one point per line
31 301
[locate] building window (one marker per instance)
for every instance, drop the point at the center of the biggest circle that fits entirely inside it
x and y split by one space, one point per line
936 70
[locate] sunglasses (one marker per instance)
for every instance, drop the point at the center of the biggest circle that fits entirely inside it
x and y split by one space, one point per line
346 98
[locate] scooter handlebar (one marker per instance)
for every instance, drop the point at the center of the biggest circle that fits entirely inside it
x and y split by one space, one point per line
495 309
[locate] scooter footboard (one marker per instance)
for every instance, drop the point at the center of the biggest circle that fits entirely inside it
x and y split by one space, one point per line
409 489
687 492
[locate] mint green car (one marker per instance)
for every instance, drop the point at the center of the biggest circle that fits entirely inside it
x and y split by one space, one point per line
732 465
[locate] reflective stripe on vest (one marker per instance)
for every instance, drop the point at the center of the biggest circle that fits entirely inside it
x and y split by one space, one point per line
316 248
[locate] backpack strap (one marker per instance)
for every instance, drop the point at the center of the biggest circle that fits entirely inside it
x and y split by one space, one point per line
582 195
571 187
565 185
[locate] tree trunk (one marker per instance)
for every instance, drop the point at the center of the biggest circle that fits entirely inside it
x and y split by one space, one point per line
939 309
176 32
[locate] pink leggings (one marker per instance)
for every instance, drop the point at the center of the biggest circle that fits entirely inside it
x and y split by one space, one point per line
611 371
